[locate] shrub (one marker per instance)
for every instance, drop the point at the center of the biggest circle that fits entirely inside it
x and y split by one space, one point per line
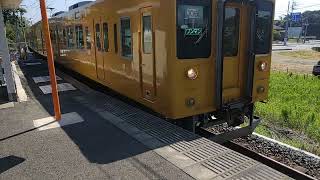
294 102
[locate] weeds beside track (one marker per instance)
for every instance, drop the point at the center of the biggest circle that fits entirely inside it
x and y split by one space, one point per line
294 102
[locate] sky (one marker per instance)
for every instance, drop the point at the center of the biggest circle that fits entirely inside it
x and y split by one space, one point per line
33 13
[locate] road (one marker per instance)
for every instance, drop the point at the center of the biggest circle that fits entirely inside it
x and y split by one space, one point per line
296 46
293 64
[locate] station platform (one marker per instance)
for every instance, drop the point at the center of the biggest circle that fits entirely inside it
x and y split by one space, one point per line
103 137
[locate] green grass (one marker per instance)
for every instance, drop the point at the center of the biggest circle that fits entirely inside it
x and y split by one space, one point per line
294 102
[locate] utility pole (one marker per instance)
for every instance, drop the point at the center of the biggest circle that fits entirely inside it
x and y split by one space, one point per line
287 26
293 7
305 31
288 22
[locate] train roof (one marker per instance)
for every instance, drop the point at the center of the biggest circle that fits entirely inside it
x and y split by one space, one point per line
74 8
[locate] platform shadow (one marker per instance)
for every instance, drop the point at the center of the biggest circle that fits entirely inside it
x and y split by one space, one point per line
99 141
9 162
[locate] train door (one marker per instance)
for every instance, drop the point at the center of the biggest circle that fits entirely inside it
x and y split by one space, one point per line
98 48
147 60
232 52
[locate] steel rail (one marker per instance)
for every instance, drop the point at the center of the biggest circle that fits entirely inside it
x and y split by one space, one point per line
289 171
268 161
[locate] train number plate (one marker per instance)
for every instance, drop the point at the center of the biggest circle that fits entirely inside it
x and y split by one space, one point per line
193 31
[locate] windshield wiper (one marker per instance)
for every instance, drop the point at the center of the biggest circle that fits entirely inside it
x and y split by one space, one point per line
204 33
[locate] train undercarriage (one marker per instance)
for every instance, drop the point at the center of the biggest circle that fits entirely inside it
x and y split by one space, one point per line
233 121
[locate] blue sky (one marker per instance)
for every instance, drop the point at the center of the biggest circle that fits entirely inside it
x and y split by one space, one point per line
32 7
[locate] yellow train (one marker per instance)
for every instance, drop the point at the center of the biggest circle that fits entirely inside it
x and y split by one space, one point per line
199 62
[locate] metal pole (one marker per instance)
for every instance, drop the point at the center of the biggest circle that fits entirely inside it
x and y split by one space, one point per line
287 26
46 31
6 62
306 31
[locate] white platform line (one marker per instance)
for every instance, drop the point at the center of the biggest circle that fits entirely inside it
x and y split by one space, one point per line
50 123
42 79
7 105
61 87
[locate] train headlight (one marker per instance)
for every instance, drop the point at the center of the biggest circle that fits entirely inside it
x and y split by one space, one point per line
192 74
263 66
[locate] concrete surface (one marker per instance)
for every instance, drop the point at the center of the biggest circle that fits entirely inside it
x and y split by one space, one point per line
94 149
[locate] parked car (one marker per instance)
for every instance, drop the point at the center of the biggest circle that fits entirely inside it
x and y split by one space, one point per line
316 69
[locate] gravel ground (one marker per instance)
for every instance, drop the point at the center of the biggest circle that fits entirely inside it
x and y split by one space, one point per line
298 160
292 64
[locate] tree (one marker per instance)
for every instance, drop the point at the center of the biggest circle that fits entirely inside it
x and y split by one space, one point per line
310 17
15 23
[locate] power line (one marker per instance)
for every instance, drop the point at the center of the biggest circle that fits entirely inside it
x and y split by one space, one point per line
307 6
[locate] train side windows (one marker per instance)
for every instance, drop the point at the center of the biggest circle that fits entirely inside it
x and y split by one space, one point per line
193 29
64 37
264 27
231 32
115 38
88 38
147 34
70 38
79 37
126 41
105 37
98 37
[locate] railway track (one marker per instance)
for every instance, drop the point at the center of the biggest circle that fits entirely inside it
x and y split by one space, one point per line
268 161
234 146
293 173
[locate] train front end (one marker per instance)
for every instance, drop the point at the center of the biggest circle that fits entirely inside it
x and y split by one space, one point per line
223 53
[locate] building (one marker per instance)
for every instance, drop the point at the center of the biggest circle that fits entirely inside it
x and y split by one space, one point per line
5 65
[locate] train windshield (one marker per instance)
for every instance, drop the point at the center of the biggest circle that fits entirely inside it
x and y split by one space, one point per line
263 28
193 29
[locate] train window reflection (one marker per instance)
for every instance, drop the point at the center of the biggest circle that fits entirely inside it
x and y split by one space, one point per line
98 37
79 37
264 27
193 29
105 37
147 34
88 38
70 37
231 32
115 38
65 39
126 41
